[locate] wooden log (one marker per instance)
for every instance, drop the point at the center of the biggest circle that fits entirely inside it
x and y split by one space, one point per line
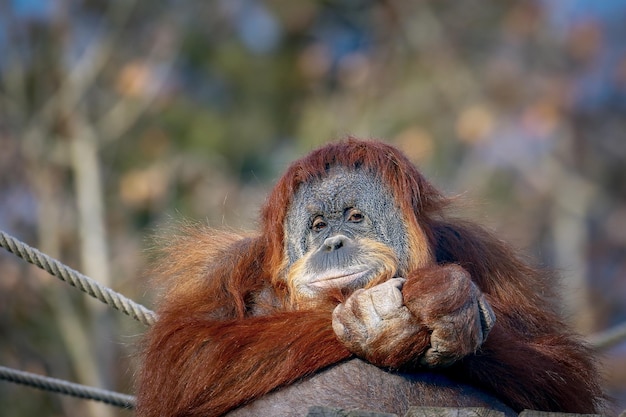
452 412
533 413
319 411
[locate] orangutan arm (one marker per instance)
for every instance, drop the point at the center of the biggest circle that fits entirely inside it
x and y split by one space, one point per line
198 367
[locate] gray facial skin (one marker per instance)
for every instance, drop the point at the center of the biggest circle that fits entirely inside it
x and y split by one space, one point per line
331 199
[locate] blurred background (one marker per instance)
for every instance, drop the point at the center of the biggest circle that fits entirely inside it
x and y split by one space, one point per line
119 118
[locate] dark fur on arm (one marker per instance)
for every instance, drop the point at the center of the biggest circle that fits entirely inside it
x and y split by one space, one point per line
529 358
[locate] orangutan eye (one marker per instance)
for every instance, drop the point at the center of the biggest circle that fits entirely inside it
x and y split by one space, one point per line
318 224
354 216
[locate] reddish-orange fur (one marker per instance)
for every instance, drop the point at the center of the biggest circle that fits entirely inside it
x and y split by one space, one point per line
227 335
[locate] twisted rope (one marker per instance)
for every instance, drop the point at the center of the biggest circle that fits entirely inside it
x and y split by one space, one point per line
608 338
76 279
68 388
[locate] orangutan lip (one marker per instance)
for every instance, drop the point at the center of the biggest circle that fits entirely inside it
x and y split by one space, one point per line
335 280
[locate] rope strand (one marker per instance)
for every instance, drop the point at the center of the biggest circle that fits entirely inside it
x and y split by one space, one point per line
68 388
76 279
608 338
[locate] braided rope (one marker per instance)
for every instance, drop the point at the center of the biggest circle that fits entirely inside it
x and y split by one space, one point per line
608 338
76 279
68 388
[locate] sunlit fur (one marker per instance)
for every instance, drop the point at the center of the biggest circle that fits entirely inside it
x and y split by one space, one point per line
420 254
378 257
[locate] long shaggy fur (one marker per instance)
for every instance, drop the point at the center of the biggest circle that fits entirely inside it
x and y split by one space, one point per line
226 333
